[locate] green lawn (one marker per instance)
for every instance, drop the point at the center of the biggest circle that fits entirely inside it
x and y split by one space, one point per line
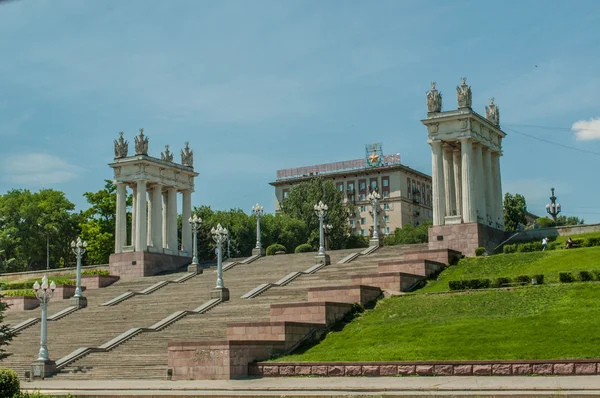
549 263
535 322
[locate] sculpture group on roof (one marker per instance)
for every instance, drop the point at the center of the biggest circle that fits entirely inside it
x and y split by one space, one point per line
141 149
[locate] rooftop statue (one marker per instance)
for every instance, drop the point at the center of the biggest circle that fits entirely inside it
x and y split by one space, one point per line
187 156
434 100
141 144
492 113
463 94
121 147
166 155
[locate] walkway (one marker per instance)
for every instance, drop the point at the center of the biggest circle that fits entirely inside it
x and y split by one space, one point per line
328 387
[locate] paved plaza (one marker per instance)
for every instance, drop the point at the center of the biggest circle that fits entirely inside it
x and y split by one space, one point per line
329 387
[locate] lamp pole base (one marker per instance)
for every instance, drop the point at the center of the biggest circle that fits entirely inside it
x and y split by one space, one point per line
323 259
40 369
195 268
220 293
79 302
258 252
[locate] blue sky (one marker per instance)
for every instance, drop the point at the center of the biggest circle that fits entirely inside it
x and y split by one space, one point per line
257 86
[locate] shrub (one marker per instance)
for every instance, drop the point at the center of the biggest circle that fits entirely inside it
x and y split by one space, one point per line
539 279
578 242
356 242
512 248
523 279
303 248
545 222
596 274
585 276
500 282
456 285
90 272
19 293
480 251
592 241
565 277
9 382
274 248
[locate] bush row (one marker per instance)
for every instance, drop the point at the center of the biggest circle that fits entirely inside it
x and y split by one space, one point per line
473 284
59 280
91 272
537 245
18 293
582 276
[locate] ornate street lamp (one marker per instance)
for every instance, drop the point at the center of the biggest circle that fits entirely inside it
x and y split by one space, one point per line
220 235
321 211
374 197
195 222
328 229
258 211
44 292
78 246
553 208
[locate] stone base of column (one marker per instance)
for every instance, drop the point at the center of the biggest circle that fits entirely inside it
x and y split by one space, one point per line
465 238
323 259
453 220
136 264
195 268
220 293
79 302
377 242
258 252
41 369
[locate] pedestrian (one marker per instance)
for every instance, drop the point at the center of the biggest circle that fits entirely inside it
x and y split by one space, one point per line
569 243
544 243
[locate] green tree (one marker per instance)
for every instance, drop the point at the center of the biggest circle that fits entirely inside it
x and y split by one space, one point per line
409 234
571 220
545 222
300 205
515 208
5 334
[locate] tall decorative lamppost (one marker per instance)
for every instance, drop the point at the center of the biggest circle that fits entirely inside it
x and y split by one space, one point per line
195 222
553 208
258 211
220 235
374 197
43 366
321 211
328 229
78 246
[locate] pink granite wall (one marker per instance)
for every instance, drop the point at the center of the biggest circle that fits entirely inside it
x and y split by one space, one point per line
310 312
394 281
21 303
465 238
137 264
444 255
98 281
288 332
344 294
417 267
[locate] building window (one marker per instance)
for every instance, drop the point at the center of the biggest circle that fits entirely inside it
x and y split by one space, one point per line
408 190
387 230
285 193
362 186
351 187
385 181
363 208
351 198
386 218
373 184
339 186
386 194
363 196
363 232
352 223
386 206
363 221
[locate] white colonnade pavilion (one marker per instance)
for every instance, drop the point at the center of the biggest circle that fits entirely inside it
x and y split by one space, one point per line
466 149
155 184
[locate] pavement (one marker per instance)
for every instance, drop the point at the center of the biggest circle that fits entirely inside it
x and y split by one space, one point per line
328 387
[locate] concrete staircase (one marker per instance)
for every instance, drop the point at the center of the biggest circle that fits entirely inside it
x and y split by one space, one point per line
145 355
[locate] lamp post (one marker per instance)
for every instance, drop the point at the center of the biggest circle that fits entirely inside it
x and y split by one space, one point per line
43 365
328 228
553 208
220 235
78 246
321 211
258 211
374 197
195 222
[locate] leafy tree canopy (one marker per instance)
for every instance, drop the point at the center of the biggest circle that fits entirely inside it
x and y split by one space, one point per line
515 208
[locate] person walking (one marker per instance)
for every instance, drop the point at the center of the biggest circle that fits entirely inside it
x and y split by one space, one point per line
544 243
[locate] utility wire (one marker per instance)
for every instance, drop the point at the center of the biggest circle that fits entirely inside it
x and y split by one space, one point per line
546 127
553 143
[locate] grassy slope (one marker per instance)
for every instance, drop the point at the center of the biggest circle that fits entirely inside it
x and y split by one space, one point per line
549 263
545 322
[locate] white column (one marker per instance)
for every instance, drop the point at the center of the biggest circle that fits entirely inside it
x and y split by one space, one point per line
457 182
186 228
140 218
449 181
172 219
121 218
149 221
498 189
468 193
489 189
437 182
133 216
165 222
479 182
157 217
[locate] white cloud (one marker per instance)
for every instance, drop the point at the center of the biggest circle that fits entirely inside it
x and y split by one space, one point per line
586 130
37 169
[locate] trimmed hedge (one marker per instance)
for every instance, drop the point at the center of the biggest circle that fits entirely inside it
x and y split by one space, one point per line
497 283
539 279
303 248
59 280
95 272
18 293
274 248
9 383
566 277
585 276
480 251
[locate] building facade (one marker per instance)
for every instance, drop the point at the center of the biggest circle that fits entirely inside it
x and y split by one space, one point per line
406 196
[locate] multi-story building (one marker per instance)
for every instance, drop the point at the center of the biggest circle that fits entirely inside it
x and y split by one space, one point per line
405 192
